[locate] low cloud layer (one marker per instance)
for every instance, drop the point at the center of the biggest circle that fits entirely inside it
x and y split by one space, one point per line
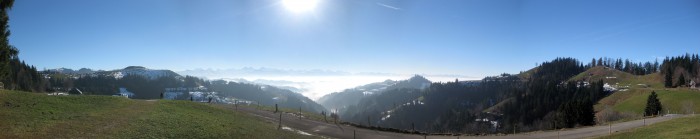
310 83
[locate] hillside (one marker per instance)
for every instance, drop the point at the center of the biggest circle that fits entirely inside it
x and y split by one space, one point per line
616 77
629 100
30 115
342 100
686 127
677 101
264 95
462 106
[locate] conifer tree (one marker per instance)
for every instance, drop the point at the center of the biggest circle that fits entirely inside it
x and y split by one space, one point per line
7 51
681 80
668 80
653 105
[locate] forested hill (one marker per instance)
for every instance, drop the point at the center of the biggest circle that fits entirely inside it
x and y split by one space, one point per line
534 102
556 94
340 101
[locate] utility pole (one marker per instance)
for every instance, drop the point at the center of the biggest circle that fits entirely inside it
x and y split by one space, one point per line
368 124
413 127
299 112
353 134
609 129
324 116
555 128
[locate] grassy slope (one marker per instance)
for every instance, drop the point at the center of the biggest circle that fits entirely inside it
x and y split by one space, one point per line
634 101
683 128
621 78
600 73
30 115
672 99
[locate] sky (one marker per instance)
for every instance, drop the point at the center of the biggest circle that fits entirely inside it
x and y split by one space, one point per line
473 38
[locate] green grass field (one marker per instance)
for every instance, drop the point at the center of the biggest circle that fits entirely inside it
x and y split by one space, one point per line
682 128
683 101
33 115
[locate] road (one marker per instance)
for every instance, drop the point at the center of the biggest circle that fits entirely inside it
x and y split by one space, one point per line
348 132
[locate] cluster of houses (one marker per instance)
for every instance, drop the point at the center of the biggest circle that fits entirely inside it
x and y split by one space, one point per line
492 123
199 94
692 84
124 93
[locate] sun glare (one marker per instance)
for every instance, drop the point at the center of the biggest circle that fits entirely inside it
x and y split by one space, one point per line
300 6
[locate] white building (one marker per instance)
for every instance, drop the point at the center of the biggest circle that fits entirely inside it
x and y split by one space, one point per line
125 93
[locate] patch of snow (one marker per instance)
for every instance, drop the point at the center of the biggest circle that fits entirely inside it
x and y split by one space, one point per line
125 93
58 94
609 88
294 130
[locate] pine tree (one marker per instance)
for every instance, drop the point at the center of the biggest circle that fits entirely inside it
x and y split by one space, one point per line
668 81
653 105
7 51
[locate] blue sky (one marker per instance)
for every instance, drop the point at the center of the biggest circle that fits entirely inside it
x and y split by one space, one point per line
468 37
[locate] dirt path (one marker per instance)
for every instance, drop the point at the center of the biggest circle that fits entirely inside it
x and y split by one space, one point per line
348 132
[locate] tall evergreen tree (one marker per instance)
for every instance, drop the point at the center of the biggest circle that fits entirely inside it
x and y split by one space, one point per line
653 105
668 80
7 51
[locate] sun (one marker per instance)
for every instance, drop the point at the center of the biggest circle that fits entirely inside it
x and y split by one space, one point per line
300 6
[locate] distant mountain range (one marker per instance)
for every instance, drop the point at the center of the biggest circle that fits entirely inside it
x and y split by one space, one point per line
249 71
118 73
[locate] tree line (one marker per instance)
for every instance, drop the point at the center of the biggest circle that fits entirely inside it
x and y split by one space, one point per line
680 70
626 65
14 73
